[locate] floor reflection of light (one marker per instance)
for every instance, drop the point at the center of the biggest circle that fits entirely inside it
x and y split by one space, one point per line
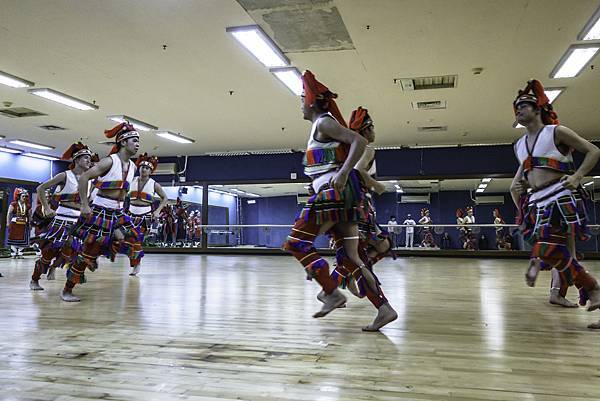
492 312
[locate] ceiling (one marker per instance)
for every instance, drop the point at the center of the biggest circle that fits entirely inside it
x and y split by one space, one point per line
112 52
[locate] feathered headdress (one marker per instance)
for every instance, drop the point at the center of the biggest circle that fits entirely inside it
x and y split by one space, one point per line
360 119
150 161
469 209
459 213
74 151
534 93
95 158
424 211
314 90
18 192
121 132
498 215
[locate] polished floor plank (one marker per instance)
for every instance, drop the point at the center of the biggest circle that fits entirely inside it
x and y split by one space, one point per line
198 327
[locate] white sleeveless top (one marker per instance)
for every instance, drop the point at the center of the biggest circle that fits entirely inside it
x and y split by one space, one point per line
322 157
146 194
372 171
543 153
71 185
113 179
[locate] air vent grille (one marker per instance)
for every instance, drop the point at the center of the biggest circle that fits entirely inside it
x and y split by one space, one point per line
423 83
18 112
433 128
430 105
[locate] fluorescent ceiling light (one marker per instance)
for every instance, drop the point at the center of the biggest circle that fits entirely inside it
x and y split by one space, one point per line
596 177
553 93
13 81
31 144
257 42
399 190
290 77
137 124
39 156
251 194
591 30
174 137
61 98
517 125
479 190
574 60
482 186
588 183
397 186
486 180
9 150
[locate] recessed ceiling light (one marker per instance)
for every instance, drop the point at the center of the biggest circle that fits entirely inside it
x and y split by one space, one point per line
13 81
39 156
257 42
290 77
61 98
34 145
591 30
174 137
574 60
482 186
479 190
9 150
137 124
486 179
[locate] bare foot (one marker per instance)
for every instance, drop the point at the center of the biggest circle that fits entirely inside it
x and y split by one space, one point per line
532 272
595 326
68 297
594 296
557 299
135 271
385 315
321 297
331 301
35 285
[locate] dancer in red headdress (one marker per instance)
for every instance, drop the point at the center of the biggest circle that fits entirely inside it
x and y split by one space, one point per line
105 228
427 240
57 235
552 214
338 203
143 191
18 219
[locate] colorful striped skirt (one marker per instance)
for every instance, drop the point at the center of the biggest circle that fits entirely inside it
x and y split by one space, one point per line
368 228
330 205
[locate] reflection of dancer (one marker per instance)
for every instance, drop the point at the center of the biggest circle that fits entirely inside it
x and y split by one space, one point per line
143 191
181 221
105 228
18 219
410 231
469 243
337 205
57 235
427 240
500 231
169 229
553 214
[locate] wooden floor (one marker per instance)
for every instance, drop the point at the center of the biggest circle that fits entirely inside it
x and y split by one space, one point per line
214 327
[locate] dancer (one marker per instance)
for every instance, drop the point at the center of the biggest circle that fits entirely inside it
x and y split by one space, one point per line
469 243
552 215
169 228
337 204
500 231
18 219
58 233
377 242
427 240
143 190
105 228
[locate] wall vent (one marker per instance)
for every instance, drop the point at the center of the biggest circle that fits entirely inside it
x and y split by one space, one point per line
430 105
415 199
433 128
423 83
18 112
489 200
52 128
165 169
